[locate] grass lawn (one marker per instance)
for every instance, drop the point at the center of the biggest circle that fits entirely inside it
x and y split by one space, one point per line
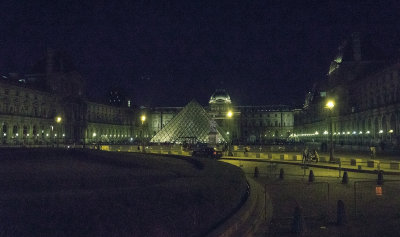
93 193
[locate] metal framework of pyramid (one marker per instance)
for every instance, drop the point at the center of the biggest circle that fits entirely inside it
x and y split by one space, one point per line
191 124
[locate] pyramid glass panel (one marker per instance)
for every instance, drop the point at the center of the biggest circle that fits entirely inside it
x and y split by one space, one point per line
191 125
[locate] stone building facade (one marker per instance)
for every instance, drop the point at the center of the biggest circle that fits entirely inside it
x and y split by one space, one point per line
48 106
366 91
246 125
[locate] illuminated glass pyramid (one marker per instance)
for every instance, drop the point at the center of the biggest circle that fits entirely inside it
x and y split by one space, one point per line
191 125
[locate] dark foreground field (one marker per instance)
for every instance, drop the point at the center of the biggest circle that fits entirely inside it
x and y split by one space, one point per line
94 193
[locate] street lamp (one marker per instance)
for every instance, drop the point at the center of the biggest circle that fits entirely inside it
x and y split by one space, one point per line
143 119
58 121
229 115
329 105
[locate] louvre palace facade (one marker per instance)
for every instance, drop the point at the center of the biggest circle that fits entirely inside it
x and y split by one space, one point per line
365 88
240 124
48 106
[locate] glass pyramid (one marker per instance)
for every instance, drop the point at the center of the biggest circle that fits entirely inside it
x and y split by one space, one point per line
191 125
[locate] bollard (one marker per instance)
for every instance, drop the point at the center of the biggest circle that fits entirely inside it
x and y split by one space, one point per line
256 172
380 178
311 177
281 173
298 225
345 179
341 213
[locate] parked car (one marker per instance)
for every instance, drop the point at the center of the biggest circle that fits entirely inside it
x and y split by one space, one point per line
208 152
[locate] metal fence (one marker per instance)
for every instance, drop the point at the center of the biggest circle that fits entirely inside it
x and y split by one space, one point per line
313 198
373 201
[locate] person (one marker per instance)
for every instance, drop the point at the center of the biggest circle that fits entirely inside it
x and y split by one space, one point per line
305 154
316 156
372 152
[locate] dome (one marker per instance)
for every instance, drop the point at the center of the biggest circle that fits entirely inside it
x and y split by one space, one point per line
220 96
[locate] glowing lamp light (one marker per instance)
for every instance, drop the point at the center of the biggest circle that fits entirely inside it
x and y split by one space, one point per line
380 131
368 132
4 134
391 131
316 133
94 134
360 132
27 135
229 114
348 132
325 132
143 118
330 104
354 132
58 119
16 134
47 134
63 134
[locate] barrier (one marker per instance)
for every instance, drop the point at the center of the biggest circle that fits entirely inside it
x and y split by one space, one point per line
371 163
297 157
323 159
354 162
270 156
284 157
258 155
394 165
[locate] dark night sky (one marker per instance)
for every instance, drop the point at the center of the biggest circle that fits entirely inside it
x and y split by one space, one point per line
165 53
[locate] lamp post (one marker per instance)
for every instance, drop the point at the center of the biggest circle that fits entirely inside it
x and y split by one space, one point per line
57 135
142 119
329 105
229 115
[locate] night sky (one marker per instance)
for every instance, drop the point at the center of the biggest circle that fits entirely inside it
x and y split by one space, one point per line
165 53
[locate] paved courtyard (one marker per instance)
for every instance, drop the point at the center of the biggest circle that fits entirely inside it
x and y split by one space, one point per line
371 209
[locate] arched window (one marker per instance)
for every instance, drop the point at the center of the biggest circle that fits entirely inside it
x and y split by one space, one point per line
4 130
34 130
25 130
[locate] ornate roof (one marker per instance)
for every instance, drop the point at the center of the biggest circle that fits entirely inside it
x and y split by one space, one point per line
220 96
355 49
